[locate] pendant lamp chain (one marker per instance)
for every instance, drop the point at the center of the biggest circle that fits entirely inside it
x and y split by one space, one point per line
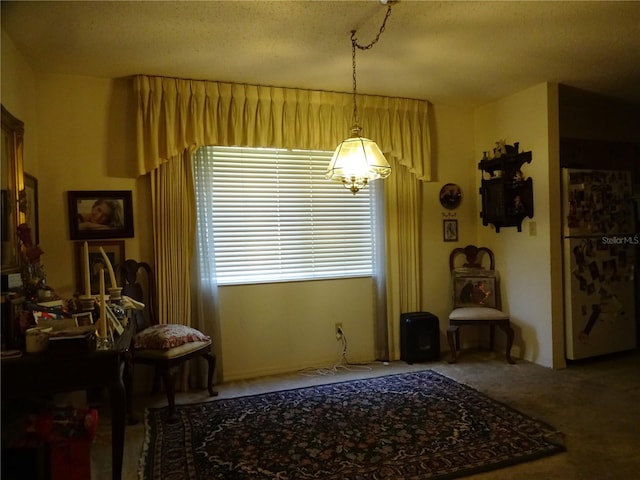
354 45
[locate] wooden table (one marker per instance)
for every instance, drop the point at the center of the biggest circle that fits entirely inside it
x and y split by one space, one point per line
49 373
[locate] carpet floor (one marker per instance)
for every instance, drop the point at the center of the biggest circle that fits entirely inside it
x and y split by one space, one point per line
417 425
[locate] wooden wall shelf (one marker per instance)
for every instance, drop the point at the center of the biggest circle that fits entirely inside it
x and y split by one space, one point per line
507 197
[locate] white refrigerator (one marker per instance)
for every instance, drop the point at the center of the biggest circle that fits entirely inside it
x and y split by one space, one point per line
600 244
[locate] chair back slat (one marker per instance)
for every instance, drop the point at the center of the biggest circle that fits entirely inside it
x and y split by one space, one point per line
473 257
138 282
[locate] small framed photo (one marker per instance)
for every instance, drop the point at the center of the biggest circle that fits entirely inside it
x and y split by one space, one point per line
115 253
96 214
450 230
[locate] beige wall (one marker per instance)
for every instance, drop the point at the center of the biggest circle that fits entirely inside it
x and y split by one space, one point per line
283 327
454 162
86 143
18 95
527 260
79 135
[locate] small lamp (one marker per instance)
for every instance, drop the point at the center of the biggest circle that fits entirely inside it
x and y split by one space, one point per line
357 161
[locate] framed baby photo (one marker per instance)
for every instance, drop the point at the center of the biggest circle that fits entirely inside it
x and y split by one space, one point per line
98 214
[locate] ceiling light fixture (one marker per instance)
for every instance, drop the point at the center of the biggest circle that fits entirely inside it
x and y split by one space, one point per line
358 160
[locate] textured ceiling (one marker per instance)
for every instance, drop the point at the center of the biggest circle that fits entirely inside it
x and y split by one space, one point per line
460 53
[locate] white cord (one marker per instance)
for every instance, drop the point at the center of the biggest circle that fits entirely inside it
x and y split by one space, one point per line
343 364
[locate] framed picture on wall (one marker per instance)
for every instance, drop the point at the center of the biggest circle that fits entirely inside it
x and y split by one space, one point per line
96 214
31 206
114 250
450 230
450 196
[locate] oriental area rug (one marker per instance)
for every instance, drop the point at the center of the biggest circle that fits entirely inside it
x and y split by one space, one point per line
419 425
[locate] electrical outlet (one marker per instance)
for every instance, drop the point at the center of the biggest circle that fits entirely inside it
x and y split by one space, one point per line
339 331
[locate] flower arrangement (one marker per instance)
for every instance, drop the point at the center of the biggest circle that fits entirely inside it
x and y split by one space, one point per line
33 276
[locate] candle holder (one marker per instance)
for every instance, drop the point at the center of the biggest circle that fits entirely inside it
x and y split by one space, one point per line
104 343
116 306
86 303
115 295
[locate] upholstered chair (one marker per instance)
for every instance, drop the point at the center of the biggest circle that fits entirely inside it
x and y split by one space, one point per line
165 347
476 297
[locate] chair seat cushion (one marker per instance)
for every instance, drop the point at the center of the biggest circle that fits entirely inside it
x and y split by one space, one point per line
478 313
169 353
167 336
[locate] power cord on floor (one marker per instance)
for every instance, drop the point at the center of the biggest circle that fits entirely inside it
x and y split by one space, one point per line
343 364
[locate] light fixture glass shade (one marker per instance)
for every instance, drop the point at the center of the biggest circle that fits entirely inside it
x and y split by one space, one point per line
356 162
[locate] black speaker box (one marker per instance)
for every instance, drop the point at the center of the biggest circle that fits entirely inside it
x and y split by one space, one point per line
419 337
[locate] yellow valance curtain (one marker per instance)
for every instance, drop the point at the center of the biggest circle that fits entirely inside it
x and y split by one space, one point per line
174 114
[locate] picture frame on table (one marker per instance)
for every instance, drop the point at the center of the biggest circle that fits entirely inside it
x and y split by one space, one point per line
114 249
100 214
450 230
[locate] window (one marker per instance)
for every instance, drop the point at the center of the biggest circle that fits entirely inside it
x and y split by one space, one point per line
269 215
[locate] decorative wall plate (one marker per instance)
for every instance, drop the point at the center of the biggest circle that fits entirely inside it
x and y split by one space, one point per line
450 196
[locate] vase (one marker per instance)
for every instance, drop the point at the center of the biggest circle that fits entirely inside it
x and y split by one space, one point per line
33 279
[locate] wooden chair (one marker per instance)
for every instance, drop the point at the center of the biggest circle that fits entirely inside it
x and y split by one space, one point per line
476 298
166 347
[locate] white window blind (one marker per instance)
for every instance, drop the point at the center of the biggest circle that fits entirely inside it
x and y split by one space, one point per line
269 215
